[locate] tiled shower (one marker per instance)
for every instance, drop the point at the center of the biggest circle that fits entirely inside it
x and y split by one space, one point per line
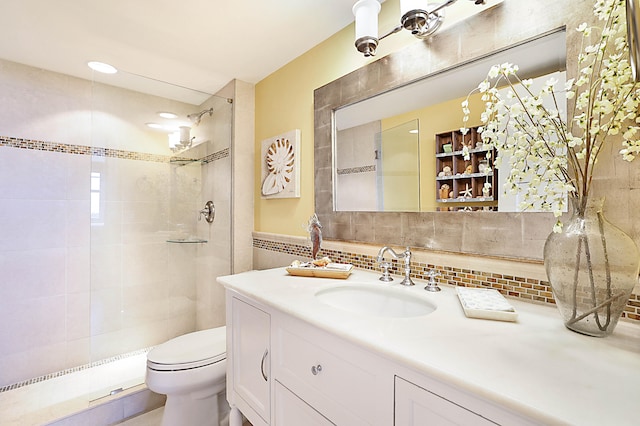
89 199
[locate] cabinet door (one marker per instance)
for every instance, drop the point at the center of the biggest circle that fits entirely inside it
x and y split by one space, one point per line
251 357
293 411
415 406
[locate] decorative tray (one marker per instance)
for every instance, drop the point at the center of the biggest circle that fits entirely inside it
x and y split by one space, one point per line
332 270
485 303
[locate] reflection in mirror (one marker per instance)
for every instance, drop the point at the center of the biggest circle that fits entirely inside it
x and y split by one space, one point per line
435 102
378 168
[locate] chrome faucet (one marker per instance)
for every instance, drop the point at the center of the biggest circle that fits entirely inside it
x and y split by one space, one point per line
405 256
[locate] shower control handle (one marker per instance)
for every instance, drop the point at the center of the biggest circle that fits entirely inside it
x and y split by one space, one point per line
209 212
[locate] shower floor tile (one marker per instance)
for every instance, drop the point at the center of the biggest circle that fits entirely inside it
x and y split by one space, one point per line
43 402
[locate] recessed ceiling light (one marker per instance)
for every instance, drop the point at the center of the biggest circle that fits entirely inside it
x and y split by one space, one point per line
102 67
163 127
165 114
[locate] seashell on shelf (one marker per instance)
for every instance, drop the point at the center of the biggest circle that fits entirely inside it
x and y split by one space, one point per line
280 158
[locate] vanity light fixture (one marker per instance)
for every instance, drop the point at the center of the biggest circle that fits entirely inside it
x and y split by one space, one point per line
102 67
179 137
181 140
174 140
417 16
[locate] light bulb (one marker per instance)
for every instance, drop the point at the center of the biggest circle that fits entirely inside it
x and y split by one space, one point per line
366 13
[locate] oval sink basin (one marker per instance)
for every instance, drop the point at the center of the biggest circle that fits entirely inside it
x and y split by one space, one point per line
375 300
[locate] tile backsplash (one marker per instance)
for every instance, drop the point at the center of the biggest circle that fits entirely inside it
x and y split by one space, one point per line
522 279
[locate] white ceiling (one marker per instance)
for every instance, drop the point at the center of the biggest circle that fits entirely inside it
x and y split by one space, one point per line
197 44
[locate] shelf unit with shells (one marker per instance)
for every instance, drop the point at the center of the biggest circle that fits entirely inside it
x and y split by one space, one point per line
465 184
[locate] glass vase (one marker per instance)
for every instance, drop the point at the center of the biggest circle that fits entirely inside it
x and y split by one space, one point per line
592 267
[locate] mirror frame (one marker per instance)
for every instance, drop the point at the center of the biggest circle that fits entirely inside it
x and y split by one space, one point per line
502 235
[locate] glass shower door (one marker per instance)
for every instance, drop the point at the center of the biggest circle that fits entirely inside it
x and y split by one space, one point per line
146 288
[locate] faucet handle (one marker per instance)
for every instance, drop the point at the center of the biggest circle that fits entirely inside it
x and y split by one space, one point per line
432 274
432 285
386 277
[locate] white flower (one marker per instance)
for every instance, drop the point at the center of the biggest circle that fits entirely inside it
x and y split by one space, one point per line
557 227
484 86
465 153
552 154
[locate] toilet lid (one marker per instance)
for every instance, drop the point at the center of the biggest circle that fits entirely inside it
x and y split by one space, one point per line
190 350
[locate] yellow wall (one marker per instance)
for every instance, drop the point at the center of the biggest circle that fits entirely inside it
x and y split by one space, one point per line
284 101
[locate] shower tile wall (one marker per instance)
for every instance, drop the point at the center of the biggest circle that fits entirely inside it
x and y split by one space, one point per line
74 290
356 186
44 261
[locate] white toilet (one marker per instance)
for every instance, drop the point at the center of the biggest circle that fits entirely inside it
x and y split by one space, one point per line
191 371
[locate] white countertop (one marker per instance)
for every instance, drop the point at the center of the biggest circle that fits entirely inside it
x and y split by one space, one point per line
534 366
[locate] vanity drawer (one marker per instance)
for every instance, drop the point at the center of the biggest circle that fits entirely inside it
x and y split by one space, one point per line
344 384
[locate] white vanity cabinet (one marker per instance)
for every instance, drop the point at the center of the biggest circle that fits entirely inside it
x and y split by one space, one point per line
248 360
287 372
294 360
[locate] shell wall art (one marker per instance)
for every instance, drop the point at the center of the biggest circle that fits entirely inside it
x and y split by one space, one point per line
281 166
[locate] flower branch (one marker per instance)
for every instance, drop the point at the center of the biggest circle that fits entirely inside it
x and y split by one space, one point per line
558 153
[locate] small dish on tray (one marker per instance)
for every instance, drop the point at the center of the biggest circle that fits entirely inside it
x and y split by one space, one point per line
331 270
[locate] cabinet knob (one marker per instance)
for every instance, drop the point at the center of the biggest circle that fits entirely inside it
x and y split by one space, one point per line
316 369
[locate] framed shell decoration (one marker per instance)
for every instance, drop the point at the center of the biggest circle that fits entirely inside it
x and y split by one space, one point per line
281 166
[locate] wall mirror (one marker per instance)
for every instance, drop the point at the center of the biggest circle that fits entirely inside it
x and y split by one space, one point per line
505 234
372 135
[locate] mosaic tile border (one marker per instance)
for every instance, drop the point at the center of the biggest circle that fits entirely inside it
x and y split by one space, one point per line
354 170
73 370
218 155
509 285
63 148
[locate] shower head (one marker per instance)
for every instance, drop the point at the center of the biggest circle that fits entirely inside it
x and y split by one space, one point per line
196 117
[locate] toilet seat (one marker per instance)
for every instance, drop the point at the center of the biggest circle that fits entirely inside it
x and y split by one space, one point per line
189 351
